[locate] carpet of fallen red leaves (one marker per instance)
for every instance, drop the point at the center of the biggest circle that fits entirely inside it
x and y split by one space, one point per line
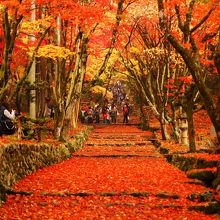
100 182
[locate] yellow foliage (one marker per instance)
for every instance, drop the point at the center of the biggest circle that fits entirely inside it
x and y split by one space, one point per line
114 57
103 77
1 7
134 62
135 65
94 64
134 50
53 52
122 77
37 26
102 90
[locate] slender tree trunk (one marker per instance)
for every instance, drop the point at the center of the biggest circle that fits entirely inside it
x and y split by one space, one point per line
191 130
143 117
79 84
175 132
10 28
32 107
42 94
163 126
59 123
32 74
75 113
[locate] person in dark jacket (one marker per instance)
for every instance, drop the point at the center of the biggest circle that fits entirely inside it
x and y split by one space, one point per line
6 119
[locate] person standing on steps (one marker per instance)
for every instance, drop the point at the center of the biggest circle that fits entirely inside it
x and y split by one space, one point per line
90 116
104 114
82 115
97 114
113 114
125 111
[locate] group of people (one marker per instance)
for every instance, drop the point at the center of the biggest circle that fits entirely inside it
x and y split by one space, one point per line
108 114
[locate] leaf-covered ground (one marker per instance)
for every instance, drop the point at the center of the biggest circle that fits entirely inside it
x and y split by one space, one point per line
117 175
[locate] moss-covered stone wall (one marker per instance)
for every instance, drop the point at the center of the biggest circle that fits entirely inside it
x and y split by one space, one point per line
19 160
186 163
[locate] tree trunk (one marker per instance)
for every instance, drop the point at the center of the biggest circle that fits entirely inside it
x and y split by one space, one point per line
175 132
75 113
32 73
59 123
42 94
32 107
79 83
10 28
163 126
144 119
191 130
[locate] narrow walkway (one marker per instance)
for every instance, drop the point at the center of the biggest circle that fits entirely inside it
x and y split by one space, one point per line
117 175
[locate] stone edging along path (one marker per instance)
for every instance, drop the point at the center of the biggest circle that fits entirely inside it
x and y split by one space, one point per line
119 174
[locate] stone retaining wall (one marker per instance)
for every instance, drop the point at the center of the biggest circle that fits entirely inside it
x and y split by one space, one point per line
19 160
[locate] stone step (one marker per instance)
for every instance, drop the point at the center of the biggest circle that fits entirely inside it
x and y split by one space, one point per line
117 155
120 136
206 175
112 143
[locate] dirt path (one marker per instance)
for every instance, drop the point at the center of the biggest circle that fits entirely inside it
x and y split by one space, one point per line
117 175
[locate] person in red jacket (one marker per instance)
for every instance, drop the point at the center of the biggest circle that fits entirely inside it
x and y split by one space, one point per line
125 111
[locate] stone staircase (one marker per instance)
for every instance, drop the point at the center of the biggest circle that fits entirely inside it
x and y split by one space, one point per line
118 174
